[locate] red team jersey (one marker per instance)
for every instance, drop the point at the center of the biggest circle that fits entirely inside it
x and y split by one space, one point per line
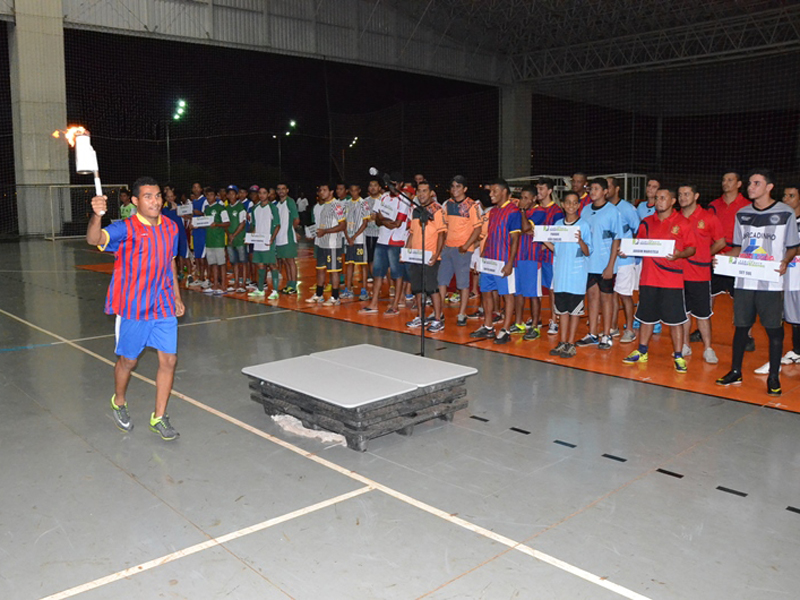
503 221
660 272
707 230
552 214
726 213
141 285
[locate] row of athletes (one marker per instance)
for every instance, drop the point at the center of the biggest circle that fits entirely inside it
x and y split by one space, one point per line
591 271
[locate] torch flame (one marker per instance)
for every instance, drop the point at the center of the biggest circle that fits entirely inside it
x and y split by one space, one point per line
71 133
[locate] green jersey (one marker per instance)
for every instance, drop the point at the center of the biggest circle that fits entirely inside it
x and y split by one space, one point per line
264 220
126 211
237 214
215 236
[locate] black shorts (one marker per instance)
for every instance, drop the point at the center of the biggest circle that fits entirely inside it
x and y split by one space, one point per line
371 243
606 285
767 305
698 298
661 304
722 284
414 272
568 304
356 254
330 259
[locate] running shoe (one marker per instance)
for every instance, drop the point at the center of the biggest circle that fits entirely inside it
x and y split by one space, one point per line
518 328
332 302
274 295
414 323
764 369
315 299
731 378
364 295
774 386
614 332
552 329
346 295
680 365
569 351
710 356
461 320
230 288
478 314
557 350
163 427
686 350
121 417
627 337
635 357
454 298
606 341
218 292
257 294
695 336
588 340
483 332
502 337
790 357
533 334
240 290
436 326
497 318
208 290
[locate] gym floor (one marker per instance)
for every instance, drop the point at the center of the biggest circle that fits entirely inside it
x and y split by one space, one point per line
590 480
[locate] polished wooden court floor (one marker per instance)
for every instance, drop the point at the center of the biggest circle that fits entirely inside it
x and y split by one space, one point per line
658 370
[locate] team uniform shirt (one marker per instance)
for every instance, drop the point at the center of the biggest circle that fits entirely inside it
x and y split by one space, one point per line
630 225
315 213
658 271
126 211
433 228
707 230
141 284
527 247
264 221
644 210
356 210
330 215
764 235
606 224
503 221
726 213
585 201
552 214
237 213
393 237
288 213
570 264
372 229
461 219
792 276
215 237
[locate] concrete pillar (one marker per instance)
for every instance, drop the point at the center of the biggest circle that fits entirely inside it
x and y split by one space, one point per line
515 131
39 106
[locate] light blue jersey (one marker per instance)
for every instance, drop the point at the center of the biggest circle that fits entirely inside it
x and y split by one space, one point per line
645 211
630 225
606 224
570 265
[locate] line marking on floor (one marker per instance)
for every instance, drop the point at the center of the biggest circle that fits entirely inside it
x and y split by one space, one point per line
511 544
211 543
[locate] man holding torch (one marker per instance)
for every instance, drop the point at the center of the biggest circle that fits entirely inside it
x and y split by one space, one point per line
144 295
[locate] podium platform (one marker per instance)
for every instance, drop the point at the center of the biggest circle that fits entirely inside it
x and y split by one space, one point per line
361 392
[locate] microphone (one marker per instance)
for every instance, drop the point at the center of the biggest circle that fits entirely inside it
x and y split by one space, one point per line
387 180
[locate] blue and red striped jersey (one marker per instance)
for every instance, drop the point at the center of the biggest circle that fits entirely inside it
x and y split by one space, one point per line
552 214
503 221
527 247
141 285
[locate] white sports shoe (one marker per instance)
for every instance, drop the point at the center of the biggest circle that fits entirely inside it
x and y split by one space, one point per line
764 369
314 299
686 350
790 357
711 357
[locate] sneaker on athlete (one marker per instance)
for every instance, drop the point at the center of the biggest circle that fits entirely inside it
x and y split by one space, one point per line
635 357
588 340
557 350
605 343
162 427
774 386
461 320
121 417
627 337
483 332
274 295
695 336
518 328
478 314
364 295
257 294
414 323
502 336
532 334
568 351
710 356
315 299
731 378
552 329
764 369
686 350
614 332
680 365
436 326
790 357
332 302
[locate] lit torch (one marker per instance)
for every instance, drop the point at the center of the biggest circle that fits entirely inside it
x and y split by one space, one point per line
85 156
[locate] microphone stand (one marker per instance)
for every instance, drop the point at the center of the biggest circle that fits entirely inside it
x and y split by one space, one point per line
424 216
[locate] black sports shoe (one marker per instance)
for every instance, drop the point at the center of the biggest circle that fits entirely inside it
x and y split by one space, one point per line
482 332
751 345
695 336
732 378
773 386
502 337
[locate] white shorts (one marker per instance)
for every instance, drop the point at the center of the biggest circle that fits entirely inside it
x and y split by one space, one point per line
627 280
215 256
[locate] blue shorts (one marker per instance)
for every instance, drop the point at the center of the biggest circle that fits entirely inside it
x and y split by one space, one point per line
528 279
547 275
237 255
199 238
388 258
490 283
183 242
134 335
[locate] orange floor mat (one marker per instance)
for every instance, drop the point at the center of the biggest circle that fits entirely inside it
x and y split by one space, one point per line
657 371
